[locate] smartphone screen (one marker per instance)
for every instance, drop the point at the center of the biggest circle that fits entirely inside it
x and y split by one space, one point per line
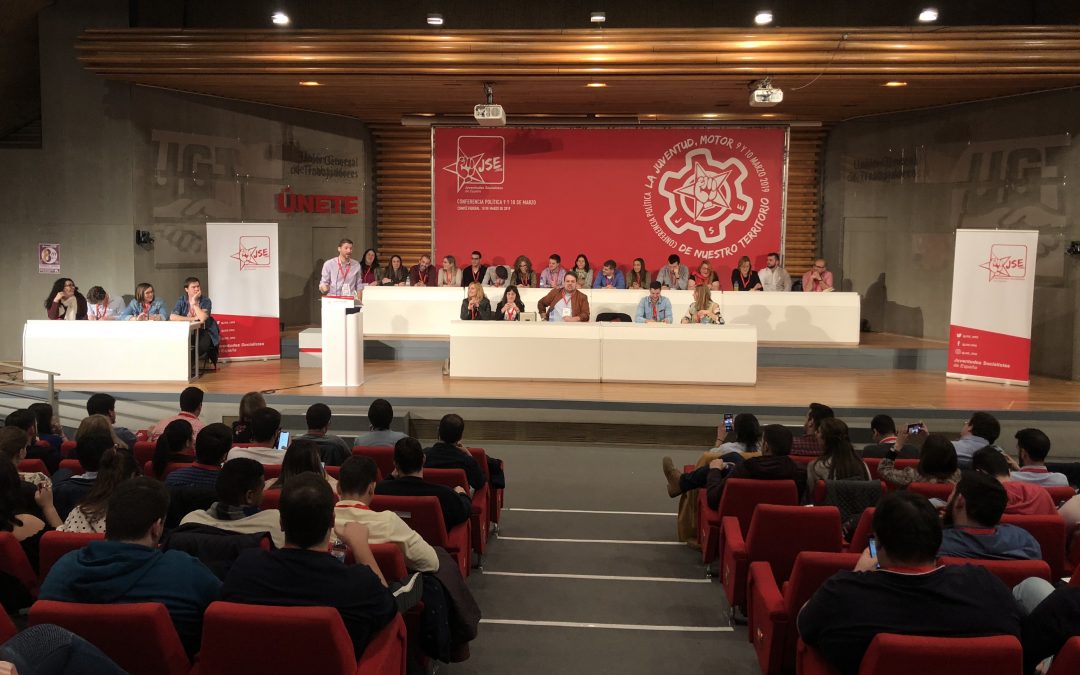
914 429
872 544
729 422
283 440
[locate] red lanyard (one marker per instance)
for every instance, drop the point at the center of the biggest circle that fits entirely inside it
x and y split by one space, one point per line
513 312
745 280
99 311
910 570
654 311
358 505
191 309
566 299
146 308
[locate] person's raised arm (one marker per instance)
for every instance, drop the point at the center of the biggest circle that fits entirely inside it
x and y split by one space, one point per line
355 536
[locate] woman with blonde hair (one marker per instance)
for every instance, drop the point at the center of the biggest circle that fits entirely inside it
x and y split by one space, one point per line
241 428
743 277
99 424
475 306
145 307
523 275
449 275
703 309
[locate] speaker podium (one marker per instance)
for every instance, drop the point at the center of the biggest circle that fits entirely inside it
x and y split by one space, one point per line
342 342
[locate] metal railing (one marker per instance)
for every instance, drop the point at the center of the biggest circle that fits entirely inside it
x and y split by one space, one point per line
50 387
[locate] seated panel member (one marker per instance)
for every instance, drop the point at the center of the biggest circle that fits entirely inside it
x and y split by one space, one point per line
553 274
101 307
654 308
609 277
703 309
369 268
196 307
704 276
422 273
145 307
675 276
744 278
395 274
774 278
497 276
566 303
475 272
511 306
65 302
818 279
638 276
523 275
583 271
449 275
475 306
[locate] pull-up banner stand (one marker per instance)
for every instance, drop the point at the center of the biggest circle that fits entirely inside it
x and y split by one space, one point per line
242 266
992 294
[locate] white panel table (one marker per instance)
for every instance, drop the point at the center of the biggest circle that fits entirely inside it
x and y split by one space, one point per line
410 311
109 351
525 350
691 354
812 318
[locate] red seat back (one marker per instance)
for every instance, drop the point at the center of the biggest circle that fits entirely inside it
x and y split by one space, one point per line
67 449
1059 494
940 491
143 452
13 561
382 456
32 466
271 499
742 495
335 472
422 514
1049 531
811 570
803 459
1067 661
139 637
7 628
905 654
54 545
861 537
1011 572
779 533
390 559
271 471
72 465
450 478
148 468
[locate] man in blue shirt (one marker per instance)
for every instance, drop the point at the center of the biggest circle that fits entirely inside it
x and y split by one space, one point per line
981 430
653 308
194 306
211 446
609 277
973 526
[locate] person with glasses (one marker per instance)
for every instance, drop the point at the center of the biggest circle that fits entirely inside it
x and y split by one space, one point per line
818 279
64 301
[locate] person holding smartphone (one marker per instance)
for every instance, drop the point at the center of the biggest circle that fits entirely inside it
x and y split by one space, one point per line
883 432
937 462
265 436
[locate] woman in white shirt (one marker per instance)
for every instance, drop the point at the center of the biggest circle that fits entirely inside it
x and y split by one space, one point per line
449 275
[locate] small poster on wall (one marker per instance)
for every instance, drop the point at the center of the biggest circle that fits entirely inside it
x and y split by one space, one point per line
48 258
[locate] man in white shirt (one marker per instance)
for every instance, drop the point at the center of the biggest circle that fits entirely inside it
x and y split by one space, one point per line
357 488
239 491
774 277
265 428
341 275
1033 446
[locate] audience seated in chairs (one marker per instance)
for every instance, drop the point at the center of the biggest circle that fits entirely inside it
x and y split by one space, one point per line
357 488
973 527
450 453
191 400
838 460
105 404
88 515
909 594
408 481
211 447
809 443
128 567
49 428
1024 499
937 464
332 449
100 424
249 403
1051 618
175 444
1032 446
301 457
303 573
14 444
265 427
239 490
69 490
883 431
981 430
746 445
380 415
26 420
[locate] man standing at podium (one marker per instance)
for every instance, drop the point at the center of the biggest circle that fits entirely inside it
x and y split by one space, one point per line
341 276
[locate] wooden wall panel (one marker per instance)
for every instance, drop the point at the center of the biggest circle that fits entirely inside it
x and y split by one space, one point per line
403 194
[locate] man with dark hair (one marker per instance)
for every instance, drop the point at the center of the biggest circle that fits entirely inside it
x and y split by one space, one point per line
674 275
211 446
774 278
610 276
475 272
808 443
26 420
449 453
408 481
70 491
1032 446
128 567
265 429
341 275
195 307
973 526
105 404
981 430
883 431
552 276
332 449
774 463
191 400
239 492
357 488
910 594
1025 499
654 307
497 276
380 414
422 273
304 574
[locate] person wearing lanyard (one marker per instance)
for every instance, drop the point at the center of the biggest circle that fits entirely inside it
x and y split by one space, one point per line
341 276
654 308
744 278
511 306
609 277
194 306
99 306
566 303
422 274
475 306
369 268
145 307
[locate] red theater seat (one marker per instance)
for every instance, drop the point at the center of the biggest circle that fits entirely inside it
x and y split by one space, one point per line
382 456
873 463
143 452
33 466
424 515
1050 533
860 539
271 471
1067 661
67 449
452 478
258 640
495 495
148 469
906 654
139 637
13 561
741 496
54 545
1061 493
72 465
271 499
940 491
1011 572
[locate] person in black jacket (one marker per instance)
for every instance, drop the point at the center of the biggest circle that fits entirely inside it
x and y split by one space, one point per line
773 464
408 481
449 453
475 306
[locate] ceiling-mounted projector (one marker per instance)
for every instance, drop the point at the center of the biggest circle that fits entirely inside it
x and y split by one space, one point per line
764 95
490 115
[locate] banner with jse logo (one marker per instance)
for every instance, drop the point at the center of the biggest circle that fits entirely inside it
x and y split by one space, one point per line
242 265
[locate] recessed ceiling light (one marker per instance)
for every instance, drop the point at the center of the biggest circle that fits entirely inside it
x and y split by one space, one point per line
434 19
763 17
711 115
928 15
895 83
280 19
597 17
596 85
768 114
310 83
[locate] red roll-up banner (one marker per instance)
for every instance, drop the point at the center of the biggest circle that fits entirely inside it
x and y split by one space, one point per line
706 194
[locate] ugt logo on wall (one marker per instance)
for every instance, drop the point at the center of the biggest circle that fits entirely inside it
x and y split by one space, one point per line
1008 262
703 187
253 252
480 162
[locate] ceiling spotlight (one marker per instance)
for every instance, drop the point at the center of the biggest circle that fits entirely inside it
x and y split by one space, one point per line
895 83
310 83
598 17
763 18
434 19
280 19
928 15
596 85
710 116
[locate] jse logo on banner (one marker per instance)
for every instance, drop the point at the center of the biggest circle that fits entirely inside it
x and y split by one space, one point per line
242 263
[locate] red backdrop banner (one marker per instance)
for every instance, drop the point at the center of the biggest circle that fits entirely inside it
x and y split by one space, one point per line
711 194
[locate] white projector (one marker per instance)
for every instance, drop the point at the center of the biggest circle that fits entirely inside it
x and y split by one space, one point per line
490 115
765 97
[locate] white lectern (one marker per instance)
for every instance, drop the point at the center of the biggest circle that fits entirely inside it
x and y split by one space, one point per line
342 342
